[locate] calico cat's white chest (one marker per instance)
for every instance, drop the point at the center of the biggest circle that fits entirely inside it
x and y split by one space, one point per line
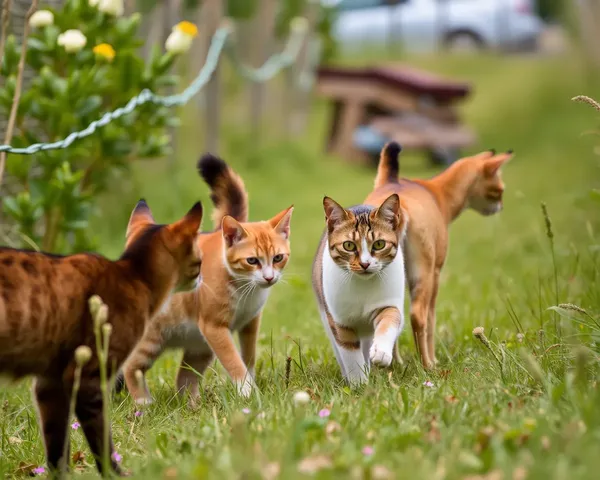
352 300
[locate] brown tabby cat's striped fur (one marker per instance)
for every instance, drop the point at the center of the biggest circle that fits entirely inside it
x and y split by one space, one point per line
242 260
44 317
472 182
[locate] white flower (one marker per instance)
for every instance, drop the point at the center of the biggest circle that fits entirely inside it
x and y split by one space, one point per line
110 7
301 398
180 39
41 18
72 40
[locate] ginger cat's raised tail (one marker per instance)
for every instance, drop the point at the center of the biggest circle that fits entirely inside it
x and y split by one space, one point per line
472 182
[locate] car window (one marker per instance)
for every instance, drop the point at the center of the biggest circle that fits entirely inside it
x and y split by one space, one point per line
359 4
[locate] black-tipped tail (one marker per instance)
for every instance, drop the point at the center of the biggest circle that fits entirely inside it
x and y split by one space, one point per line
389 166
228 192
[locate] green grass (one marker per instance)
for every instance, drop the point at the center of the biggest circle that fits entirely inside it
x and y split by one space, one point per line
540 420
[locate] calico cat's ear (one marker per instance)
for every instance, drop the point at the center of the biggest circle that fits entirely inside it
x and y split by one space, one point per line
190 224
389 211
281 222
334 213
493 165
140 216
233 231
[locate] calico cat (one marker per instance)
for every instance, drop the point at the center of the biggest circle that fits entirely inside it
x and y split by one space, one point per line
242 261
358 278
44 317
474 182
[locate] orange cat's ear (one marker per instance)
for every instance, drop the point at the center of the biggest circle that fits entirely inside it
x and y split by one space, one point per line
281 222
493 165
140 217
190 224
334 213
390 211
233 231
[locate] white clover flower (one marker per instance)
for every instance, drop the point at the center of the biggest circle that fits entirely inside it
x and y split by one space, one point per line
41 18
111 7
301 398
180 39
72 40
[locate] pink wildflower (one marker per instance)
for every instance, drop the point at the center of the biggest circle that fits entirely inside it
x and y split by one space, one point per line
246 411
428 384
75 425
116 457
39 470
138 413
368 450
324 413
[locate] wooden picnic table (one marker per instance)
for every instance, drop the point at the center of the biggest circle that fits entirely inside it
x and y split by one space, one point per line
394 102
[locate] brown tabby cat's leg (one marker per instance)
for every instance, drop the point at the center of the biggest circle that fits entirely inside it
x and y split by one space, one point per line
143 356
192 364
53 405
89 414
220 340
431 317
420 294
248 339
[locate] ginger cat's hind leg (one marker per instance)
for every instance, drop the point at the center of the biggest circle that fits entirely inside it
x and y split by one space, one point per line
431 317
192 366
421 291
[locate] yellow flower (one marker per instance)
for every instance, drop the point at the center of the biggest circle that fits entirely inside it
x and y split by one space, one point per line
187 28
105 50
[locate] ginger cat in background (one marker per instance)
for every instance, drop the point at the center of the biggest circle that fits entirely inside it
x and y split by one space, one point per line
358 278
242 261
44 317
473 182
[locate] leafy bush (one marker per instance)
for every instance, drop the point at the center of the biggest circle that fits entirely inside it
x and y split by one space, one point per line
78 76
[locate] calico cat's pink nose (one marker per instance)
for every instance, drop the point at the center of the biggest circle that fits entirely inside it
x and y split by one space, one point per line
364 265
268 279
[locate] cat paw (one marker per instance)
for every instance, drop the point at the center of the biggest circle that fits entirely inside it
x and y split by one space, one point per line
245 387
144 401
379 356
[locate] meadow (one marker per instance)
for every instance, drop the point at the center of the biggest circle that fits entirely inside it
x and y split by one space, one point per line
526 406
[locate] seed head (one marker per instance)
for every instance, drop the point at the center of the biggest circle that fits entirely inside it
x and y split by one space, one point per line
83 354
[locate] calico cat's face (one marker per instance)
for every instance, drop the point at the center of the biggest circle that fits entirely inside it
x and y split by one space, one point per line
258 252
486 193
364 240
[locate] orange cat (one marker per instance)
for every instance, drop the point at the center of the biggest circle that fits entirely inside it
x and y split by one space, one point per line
474 182
241 262
44 317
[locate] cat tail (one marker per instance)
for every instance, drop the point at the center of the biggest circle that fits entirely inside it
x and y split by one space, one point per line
228 192
387 171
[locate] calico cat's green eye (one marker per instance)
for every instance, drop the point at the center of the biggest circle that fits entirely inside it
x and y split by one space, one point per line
378 244
349 246
252 261
277 258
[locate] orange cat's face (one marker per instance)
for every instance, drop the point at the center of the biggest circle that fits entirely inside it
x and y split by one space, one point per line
364 240
486 193
258 252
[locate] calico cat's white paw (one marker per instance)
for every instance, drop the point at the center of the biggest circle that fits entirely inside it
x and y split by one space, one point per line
379 356
144 400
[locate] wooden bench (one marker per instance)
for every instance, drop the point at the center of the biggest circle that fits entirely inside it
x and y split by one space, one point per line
394 102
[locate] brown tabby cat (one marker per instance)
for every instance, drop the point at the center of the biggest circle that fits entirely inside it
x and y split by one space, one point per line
44 317
473 182
242 261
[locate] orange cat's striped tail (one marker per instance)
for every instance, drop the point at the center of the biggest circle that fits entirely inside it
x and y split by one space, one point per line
387 171
228 192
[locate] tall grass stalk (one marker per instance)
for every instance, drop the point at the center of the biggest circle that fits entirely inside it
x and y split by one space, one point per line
102 331
83 354
550 235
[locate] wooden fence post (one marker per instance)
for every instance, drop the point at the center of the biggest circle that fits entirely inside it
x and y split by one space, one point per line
213 14
263 29
301 98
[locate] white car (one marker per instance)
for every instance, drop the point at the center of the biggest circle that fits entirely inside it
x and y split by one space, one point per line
424 25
